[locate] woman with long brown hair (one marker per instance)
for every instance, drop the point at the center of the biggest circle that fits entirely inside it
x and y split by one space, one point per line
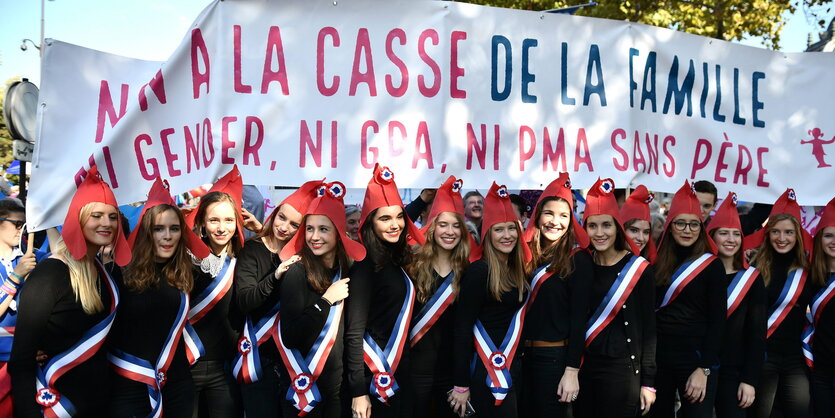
637 221
820 337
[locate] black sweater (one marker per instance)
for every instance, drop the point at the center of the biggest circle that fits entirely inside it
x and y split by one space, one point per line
50 319
220 327
743 344
560 309
786 339
476 303
256 288
823 343
690 328
631 334
439 338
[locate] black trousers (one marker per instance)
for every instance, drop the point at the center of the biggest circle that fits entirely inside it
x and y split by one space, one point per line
542 369
668 382
216 393
823 393
430 382
784 379
262 398
482 398
727 401
609 388
130 399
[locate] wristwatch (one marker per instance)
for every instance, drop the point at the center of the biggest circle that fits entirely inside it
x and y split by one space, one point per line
706 371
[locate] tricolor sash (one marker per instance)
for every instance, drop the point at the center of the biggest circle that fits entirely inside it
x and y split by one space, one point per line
819 302
788 297
383 362
538 277
432 311
202 304
497 360
153 375
246 367
683 276
52 403
305 370
616 296
739 287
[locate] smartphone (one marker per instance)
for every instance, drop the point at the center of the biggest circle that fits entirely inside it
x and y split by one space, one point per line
469 412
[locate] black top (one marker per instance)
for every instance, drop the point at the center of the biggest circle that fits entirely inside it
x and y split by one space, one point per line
375 302
142 324
823 344
220 327
743 344
690 328
786 339
439 337
631 334
476 303
415 208
256 288
560 309
50 319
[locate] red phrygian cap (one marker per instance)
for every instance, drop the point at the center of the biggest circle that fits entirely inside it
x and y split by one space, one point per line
92 189
637 207
159 195
330 204
828 217
685 201
498 209
727 216
305 194
601 201
382 192
448 199
785 204
231 184
561 187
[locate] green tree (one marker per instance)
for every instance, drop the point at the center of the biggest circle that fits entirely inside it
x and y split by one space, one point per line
721 19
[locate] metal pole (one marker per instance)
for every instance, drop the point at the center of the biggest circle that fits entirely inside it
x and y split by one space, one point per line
22 176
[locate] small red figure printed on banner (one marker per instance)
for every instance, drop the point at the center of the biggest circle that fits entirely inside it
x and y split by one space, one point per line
818 142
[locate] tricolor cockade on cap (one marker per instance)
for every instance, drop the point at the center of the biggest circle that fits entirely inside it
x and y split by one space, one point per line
448 199
381 192
785 204
636 206
498 209
601 200
685 201
560 187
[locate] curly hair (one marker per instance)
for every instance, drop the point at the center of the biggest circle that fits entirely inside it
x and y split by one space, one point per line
421 269
141 272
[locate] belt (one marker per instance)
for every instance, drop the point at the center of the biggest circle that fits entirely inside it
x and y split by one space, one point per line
533 343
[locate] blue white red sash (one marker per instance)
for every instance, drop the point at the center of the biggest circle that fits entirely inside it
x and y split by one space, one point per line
202 304
497 360
305 370
153 375
739 287
616 296
52 403
383 362
819 302
246 367
538 277
785 302
432 311
683 276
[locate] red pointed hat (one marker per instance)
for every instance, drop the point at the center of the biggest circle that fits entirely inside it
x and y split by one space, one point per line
448 199
785 204
685 202
828 216
231 184
637 207
302 197
92 189
561 187
498 209
727 216
601 201
382 192
329 203
159 195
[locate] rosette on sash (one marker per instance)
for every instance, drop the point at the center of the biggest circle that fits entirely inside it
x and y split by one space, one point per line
246 367
432 311
612 303
739 287
788 297
497 360
819 302
683 276
202 304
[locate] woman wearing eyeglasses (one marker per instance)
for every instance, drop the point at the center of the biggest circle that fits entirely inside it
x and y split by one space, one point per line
690 313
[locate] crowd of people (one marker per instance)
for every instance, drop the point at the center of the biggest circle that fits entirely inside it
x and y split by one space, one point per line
487 307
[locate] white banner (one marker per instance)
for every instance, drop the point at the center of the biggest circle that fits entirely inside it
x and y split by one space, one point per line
299 89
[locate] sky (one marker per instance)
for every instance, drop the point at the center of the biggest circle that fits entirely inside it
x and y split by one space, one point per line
152 29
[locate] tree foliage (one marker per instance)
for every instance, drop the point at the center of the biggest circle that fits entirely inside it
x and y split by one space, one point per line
721 19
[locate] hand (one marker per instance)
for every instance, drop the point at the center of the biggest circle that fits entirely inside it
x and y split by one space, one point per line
283 267
745 394
696 386
337 291
647 399
427 195
458 401
569 386
250 221
41 358
25 265
361 407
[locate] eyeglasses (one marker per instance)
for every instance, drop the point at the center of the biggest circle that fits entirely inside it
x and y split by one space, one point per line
18 224
681 225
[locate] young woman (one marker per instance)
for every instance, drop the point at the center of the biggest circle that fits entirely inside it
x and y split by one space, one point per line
437 271
380 308
782 262
618 374
821 336
491 309
690 313
637 222
557 311
146 336
15 266
257 280
743 342
69 300
312 292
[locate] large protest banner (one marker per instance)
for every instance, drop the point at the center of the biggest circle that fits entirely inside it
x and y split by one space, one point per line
297 89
